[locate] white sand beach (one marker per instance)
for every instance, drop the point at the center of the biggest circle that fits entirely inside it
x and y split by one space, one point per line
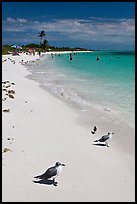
39 130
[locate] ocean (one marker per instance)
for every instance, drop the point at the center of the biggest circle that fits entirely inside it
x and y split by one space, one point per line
107 84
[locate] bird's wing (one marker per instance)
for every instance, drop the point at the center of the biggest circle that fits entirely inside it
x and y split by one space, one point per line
104 138
50 172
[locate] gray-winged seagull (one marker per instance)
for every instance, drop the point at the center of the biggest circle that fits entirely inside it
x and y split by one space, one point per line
105 138
52 172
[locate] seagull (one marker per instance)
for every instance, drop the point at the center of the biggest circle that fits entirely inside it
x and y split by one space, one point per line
94 130
52 173
104 138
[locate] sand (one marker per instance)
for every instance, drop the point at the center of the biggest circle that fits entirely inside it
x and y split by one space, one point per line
40 129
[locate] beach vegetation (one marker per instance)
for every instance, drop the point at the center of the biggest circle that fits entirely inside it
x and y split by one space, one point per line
7 49
6 149
32 45
45 47
42 35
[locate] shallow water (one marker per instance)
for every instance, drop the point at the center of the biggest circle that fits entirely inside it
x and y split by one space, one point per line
107 84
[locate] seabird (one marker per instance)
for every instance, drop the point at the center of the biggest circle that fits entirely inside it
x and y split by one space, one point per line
105 138
52 172
94 130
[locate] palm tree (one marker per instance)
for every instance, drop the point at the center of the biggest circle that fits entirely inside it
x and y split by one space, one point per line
42 36
45 44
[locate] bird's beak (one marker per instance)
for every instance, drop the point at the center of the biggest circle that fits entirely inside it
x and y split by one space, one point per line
112 132
62 164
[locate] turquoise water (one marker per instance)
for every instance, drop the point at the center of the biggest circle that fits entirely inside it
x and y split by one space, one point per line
107 84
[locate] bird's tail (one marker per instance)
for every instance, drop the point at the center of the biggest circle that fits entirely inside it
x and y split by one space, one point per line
39 176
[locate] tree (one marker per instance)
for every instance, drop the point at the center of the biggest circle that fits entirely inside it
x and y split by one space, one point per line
45 44
42 36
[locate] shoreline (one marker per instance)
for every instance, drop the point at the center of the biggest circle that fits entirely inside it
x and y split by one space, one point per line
44 127
123 113
109 119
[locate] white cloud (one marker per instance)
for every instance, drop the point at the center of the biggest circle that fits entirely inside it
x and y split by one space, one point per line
21 20
12 20
93 29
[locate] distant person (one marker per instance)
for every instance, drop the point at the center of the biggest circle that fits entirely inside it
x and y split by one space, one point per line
98 58
118 57
33 52
70 56
39 53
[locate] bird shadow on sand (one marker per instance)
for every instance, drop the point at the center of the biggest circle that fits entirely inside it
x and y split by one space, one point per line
44 181
100 144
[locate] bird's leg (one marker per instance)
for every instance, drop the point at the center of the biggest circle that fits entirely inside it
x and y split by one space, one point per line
55 183
107 144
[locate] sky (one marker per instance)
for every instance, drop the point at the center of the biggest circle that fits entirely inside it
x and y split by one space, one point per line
91 25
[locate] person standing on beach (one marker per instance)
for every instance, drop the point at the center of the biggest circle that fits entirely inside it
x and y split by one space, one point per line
33 52
39 52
